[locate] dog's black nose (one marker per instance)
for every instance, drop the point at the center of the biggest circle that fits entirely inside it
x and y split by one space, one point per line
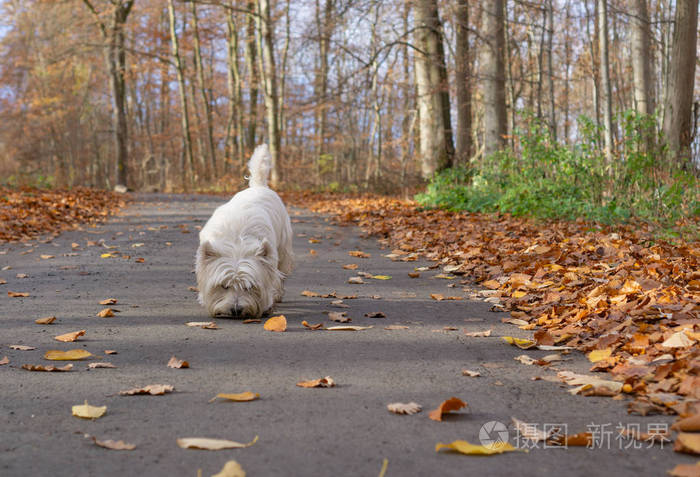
236 311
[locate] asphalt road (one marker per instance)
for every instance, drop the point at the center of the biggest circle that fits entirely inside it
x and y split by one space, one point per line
345 430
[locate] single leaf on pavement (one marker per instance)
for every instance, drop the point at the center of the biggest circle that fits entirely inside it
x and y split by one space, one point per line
339 316
100 365
470 373
276 323
231 469
46 256
45 321
310 294
478 334
685 470
109 301
207 325
464 447
111 351
350 266
70 355
106 313
359 254
239 397
113 445
317 326
452 404
22 347
152 389
381 277
47 368
375 314
396 327
177 363
348 328
326 382
525 359
87 411
4 360
356 280
404 408
206 443
17 294
69 337
519 342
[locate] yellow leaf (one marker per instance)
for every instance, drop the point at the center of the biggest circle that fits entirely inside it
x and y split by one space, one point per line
211 444
381 277
239 397
70 355
599 355
276 323
106 255
231 469
519 294
87 411
465 447
519 342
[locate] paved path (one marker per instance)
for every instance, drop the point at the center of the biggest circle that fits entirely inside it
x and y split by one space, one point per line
342 431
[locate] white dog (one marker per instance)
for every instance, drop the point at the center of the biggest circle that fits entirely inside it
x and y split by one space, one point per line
245 248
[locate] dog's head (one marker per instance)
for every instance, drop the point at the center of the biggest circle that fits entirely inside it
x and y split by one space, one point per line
238 280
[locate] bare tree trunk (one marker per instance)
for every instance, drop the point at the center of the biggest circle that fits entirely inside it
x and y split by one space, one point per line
681 75
324 16
253 76
187 159
435 149
605 78
593 50
211 147
463 83
269 74
493 73
115 57
567 70
234 128
549 9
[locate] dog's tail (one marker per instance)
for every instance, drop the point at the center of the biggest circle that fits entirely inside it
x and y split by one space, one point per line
259 166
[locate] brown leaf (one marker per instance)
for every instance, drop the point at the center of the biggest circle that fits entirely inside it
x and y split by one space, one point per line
109 301
251 320
685 470
688 424
276 323
470 373
452 404
48 368
359 254
113 445
339 316
317 326
100 365
111 351
310 293
375 314
350 266
177 363
414 274
45 321
152 389
22 347
4 360
70 337
326 382
17 294
688 443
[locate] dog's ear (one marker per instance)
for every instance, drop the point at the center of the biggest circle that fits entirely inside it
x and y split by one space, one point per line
206 252
265 248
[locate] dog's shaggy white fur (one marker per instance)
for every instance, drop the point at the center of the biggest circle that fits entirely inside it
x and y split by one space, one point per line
245 248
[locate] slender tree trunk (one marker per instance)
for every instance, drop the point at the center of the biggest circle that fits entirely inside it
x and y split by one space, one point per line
324 16
269 74
605 79
234 128
567 71
593 51
493 73
463 83
549 8
187 160
681 75
199 70
253 76
435 149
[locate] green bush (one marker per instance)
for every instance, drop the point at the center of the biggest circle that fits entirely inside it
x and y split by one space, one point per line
548 179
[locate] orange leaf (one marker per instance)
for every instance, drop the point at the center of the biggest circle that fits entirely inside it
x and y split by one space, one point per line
326 382
276 323
452 404
177 363
69 337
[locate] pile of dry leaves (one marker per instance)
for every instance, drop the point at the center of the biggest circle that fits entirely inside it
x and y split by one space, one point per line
633 300
26 213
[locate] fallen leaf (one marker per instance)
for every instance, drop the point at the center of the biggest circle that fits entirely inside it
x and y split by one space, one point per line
70 355
404 408
414 274
317 326
437 296
685 470
326 382
251 320
375 314
348 328
533 433
22 347
452 404
4 360
649 438
464 447
21 275
239 397
113 445
519 342
470 373
46 257
359 254
152 389
599 355
688 443
477 334
678 340
109 301
140 260
231 469
515 321
100 365
355 280
47 368
396 327
207 325
492 284
205 443
338 316
525 359
17 294
45 321
381 277
585 383
177 363
309 293
350 266
87 411
106 313
690 423
276 323
111 351
70 337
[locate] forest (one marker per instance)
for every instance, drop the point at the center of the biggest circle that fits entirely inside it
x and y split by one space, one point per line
554 108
